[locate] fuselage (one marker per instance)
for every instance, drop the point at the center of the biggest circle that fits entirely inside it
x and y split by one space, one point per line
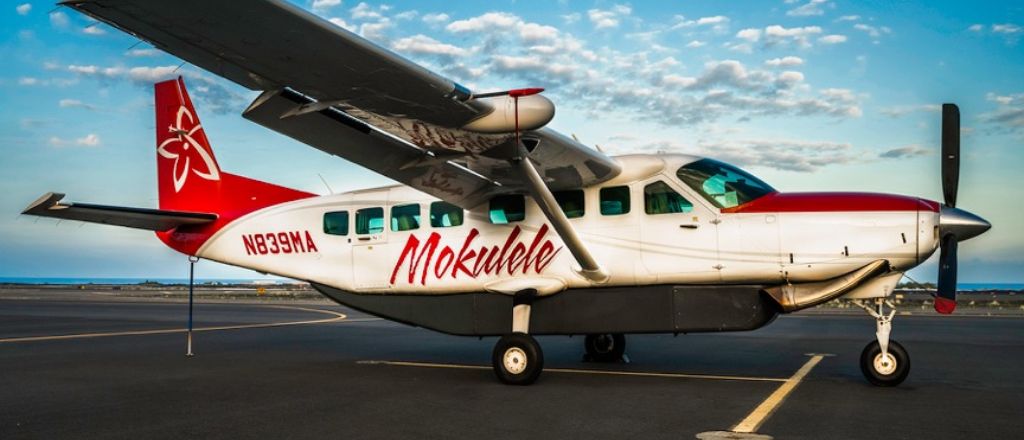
399 240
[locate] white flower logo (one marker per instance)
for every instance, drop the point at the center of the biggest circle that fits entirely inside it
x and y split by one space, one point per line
181 144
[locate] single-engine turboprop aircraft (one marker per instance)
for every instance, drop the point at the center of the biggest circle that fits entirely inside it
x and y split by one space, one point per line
502 227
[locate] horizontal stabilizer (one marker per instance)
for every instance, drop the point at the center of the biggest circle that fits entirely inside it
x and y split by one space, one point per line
140 218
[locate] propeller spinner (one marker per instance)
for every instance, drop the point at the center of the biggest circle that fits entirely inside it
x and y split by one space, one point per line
955 225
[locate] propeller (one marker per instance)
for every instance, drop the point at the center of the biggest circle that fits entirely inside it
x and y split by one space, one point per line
955 225
945 294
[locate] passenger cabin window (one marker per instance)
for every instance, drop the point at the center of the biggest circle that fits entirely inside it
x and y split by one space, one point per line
507 208
723 184
444 215
659 198
370 221
336 223
615 200
571 202
405 217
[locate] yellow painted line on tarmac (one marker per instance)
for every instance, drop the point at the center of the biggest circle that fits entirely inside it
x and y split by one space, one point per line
337 317
766 408
582 371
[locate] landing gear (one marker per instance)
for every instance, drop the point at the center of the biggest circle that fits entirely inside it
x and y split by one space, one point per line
517 359
885 369
884 362
605 347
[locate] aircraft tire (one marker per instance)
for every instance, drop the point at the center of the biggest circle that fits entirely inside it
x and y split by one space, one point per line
885 374
517 359
608 347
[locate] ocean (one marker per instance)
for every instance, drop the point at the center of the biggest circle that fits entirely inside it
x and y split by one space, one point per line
126 281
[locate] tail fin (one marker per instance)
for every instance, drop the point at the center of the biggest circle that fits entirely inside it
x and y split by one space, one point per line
190 179
187 170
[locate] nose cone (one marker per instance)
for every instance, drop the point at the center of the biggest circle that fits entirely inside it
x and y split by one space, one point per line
961 223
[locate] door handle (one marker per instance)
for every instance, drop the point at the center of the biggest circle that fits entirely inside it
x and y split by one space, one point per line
364 238
689 226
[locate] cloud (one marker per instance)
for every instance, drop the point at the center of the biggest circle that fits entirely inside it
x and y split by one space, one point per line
832 39
28 81
89 140
1006 28
751 35
93 29
872 31
407 15
571 18
139 53
486 22
849 18
424 45
778 35
976 28
363 11
59 20
788 61
215 96
24 8
323 5
717 23
608 18
903 110
74 103
436 19
906 152
1009 116
811 8
695 44
779 154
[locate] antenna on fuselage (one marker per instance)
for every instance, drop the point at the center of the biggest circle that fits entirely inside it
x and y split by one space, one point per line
329 190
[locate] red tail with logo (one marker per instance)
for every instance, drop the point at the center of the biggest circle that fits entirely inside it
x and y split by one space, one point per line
189 178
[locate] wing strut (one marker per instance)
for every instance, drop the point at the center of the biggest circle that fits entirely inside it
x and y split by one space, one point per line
546 201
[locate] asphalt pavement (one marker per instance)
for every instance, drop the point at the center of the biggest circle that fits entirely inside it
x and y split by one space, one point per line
97 369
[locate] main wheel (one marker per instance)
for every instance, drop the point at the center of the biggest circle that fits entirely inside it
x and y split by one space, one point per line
885 371
517 359
605 347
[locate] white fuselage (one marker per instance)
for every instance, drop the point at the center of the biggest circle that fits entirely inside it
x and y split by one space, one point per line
703 246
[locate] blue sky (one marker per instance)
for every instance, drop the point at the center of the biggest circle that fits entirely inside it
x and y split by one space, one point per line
809 95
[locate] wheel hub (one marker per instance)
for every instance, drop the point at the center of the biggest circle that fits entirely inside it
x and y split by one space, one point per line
604 343
514 360
885 364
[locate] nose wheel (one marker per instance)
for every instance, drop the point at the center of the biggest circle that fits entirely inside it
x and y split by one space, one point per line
884 362
885 369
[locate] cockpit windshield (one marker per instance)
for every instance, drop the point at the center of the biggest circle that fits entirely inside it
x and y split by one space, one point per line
723 184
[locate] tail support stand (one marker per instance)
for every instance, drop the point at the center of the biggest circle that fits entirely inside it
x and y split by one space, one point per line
192 260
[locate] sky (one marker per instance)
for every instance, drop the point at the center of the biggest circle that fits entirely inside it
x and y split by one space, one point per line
815 95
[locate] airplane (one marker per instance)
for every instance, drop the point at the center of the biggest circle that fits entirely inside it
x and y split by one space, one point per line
500 226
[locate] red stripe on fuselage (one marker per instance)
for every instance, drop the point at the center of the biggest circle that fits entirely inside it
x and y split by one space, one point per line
833 202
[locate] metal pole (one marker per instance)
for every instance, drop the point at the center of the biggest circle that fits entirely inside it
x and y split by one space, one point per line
191 281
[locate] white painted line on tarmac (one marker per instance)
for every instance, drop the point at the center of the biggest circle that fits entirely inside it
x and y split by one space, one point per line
756 418
338 317
582 371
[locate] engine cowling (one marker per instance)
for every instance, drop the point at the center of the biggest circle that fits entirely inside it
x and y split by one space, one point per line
535 111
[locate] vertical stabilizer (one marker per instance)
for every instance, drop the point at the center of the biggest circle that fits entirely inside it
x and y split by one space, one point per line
190 179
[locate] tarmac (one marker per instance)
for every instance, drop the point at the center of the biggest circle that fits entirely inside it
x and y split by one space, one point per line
78 366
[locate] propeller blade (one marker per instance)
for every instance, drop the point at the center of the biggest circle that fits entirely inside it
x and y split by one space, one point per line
945 295
950 153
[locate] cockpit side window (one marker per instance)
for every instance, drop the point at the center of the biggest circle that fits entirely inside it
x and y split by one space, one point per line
722 184
659 198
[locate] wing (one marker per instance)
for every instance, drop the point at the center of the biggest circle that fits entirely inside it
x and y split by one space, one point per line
338 92
140 218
